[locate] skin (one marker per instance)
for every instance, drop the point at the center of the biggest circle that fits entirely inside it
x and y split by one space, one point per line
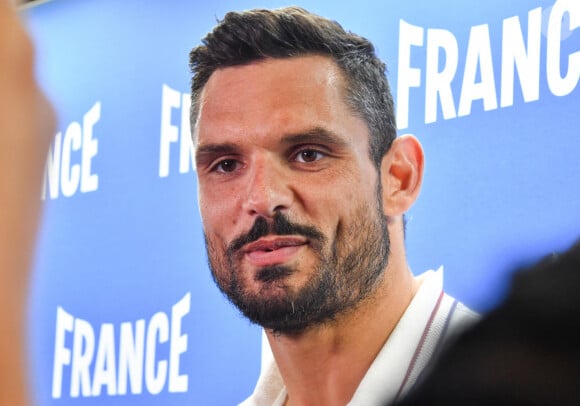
26 124
251 164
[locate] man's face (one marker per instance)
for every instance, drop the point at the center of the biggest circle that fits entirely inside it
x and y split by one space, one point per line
289 197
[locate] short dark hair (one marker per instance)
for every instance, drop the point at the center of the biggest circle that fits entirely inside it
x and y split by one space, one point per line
249 36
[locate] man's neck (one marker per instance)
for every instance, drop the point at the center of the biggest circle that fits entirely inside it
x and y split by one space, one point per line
326 363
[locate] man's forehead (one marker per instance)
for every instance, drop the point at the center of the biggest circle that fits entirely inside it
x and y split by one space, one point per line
306 71
267 89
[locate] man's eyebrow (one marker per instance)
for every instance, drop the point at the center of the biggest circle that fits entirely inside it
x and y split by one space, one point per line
316 135
208 151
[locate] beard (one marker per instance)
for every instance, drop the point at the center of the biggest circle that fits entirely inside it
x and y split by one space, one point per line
350 267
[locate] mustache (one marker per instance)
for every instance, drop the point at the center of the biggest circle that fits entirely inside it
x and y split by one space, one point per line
280 225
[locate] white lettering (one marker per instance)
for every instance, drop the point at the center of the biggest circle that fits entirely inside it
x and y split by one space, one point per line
158 332
105 362
526 62
64 323
478 55
438 82
60 173
177 382
172 99
70 175
131 357
83 349
562 85
169 133
90 181
407 77
141 355
521 55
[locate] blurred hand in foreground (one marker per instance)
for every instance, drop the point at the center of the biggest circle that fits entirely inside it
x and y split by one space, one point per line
26 128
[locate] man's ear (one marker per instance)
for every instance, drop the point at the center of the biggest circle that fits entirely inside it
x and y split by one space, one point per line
401 175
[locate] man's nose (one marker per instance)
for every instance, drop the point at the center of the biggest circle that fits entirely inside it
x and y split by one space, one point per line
268 188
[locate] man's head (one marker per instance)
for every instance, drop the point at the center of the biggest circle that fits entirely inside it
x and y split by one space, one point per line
295 208
250 36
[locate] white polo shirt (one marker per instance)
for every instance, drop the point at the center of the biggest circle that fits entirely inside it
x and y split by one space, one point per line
431 319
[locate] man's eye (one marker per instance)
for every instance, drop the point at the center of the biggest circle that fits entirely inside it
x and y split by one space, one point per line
309 155
226 166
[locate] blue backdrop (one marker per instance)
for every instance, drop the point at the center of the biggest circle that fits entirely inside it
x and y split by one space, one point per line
123 309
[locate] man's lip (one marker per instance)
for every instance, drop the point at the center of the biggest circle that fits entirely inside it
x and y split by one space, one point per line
273 250
273 243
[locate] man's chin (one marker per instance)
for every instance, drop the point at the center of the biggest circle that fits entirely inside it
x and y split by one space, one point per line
283 321
272 274
272 308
